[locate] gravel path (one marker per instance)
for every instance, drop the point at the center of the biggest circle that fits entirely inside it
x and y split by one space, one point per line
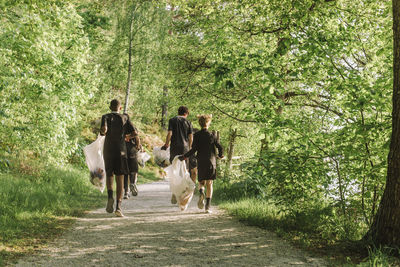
156 233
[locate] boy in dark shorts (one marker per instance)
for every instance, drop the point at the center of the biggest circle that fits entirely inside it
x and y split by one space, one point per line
180 135
115 127
204 144
133 146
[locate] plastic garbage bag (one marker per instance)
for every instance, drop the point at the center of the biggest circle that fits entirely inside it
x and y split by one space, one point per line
142 158
95 162
180 183
161 157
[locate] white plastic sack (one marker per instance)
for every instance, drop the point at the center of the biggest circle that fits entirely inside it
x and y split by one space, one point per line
142 158
180 183
94 160
161 157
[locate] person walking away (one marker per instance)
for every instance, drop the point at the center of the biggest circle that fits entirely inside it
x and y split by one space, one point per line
204 143
179 137
193 163
115 127
133 146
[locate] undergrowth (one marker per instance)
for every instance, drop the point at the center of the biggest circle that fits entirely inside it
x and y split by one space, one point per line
316 228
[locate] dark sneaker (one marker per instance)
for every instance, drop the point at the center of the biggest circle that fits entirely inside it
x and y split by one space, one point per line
200 203
134 189
119 213
126 195
110 205
173 199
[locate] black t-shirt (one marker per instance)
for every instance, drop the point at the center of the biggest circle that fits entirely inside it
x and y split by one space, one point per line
118 125
181 128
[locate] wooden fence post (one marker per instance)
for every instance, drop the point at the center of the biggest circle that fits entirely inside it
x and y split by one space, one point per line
232 139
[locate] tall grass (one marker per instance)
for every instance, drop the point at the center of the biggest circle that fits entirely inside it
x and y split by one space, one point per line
255 212
311 229
32 208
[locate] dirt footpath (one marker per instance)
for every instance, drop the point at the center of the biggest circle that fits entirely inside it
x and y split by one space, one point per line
156 233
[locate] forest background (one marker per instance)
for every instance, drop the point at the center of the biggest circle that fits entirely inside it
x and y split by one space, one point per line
300 92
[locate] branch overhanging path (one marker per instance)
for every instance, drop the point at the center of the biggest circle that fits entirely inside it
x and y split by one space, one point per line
154 232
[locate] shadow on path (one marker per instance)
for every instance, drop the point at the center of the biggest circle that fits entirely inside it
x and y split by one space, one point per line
156 233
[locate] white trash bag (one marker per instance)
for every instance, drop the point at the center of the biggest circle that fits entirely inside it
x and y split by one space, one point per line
143 157
161 157
94 160
180 183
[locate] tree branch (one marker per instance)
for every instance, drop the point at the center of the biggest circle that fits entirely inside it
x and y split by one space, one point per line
230 116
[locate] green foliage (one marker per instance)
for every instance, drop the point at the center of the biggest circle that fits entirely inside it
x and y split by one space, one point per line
46 77
379 257
306 84
313 80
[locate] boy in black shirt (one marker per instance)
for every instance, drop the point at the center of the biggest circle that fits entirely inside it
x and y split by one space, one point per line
180 134
115 127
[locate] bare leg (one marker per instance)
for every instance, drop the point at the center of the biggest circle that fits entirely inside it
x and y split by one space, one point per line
209 193
133 180
200 203
109 182
126 186
126 180
110 202
201 185
133 177
120 186
193 174
209 184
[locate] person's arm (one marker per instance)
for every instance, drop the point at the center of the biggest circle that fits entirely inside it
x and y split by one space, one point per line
103 126
138 143
131 130
191 151
167 140
188 154
190 134
220 149
190 140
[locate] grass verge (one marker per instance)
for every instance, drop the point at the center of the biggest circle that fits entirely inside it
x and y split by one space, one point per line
37 208
149 174
339 253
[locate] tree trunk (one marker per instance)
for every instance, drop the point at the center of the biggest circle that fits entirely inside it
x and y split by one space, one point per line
128 83
232 138
263 147
385 230
164 108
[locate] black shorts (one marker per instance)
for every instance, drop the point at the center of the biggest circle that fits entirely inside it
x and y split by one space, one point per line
115 163
133 165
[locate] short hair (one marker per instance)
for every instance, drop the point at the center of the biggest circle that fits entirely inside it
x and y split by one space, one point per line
182 110
204 120
115 104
